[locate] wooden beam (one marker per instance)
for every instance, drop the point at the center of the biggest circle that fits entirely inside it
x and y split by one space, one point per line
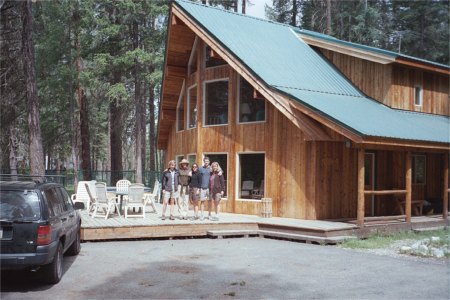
174 71
214 54
401 145
177 21
257 95
385 218
408 178
423 66
446 190
361 198
313 130
385 192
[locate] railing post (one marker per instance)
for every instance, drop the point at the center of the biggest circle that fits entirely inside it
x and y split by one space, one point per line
445 196
408 178
361 172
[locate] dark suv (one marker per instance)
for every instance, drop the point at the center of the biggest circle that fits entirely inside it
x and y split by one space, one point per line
38 224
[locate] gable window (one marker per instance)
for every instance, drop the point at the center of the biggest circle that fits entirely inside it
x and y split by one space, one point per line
418 95
251 107
192 107
222 159
419 167
180 110
212 61
216 103
192 65
251 173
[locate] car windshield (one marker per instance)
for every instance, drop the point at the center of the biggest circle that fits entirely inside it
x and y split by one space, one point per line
19 206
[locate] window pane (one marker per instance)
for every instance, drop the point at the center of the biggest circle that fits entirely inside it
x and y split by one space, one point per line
192 159
216 102
178 159
418 96
212 61
251 168
222 159
250 109
192 100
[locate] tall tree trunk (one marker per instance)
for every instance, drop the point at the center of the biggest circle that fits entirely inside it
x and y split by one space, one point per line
294 13
116 120
138 107
328 17
13 147
34 127
152 133
244 6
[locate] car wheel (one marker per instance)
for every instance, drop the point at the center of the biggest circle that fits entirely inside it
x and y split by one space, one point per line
53 271
75 248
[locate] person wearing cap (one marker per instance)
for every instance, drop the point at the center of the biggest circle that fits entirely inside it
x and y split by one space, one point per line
184 179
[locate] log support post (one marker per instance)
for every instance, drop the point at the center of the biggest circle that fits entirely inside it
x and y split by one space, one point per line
360 212
408 178
445 185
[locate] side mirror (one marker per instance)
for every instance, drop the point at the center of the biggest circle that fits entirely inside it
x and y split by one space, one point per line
78 205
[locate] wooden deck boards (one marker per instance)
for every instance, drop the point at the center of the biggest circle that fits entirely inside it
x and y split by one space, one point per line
152 226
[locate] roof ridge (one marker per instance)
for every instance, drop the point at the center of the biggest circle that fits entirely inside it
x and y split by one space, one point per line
236 13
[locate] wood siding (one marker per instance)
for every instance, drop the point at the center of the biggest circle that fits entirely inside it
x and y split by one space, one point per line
393 84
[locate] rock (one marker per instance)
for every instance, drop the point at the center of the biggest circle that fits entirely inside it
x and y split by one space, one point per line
405 249
423 249
416 245
435 239
437 253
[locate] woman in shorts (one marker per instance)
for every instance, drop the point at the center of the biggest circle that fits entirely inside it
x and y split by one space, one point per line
170 180
194 188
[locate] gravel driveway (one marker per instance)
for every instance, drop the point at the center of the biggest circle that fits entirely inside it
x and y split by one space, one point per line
233 269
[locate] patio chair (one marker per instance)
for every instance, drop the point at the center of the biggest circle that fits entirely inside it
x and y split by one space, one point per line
103 202
135 200
247 187
122 185
81 194
150 198
258 193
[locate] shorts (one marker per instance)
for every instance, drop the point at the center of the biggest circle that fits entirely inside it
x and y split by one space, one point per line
193 196
170 195
204 194
217 197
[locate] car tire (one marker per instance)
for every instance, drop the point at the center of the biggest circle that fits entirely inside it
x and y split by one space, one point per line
75 248
53 271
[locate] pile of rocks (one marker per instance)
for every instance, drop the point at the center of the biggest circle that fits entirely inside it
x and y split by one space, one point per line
429 247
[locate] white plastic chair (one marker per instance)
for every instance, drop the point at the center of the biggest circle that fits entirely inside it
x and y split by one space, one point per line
135 199
103 202
150 198
247 187
122 185
81 194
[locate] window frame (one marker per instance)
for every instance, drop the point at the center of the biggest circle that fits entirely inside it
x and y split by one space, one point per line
178 159
238 110
238 176
188 156
180 98
204 154
227 79
414 171
188 119
420 104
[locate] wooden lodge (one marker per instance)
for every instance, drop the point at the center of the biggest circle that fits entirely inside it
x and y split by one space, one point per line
327 129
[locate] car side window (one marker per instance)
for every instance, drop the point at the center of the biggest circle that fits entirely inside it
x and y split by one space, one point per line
65 197
54 200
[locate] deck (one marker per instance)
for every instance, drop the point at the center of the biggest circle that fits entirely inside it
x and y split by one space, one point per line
318 231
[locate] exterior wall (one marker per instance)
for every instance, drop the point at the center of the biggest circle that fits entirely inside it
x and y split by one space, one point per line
394 84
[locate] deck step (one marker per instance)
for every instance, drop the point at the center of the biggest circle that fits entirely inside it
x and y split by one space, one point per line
227 233
277 234
304 238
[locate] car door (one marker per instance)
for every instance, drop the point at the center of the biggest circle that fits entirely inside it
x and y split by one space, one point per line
55 211
72 221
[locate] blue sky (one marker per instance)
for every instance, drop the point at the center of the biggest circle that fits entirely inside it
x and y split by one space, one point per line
257 9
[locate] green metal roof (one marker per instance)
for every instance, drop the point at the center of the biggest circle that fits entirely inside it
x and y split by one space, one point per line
276 54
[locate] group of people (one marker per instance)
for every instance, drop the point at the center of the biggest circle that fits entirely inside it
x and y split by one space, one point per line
193 185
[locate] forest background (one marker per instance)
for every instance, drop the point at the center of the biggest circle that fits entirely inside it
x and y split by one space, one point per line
80 80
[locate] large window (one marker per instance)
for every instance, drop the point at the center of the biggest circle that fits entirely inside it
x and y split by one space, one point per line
250 109
178 158
192 107
210 60
251 170
419 167
222 159
180 111
216 103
